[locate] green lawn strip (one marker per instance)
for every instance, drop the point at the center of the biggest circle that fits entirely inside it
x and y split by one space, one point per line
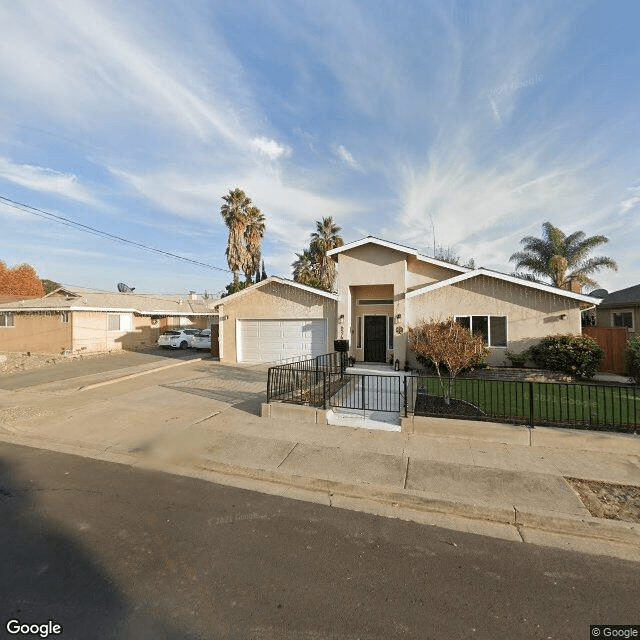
571 402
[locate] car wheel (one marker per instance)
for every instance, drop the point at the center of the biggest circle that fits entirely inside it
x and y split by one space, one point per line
183 344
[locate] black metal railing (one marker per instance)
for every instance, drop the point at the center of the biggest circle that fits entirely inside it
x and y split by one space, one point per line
306 381
369 392
577 405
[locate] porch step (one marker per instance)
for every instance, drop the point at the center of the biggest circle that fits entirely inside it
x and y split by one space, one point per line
381 421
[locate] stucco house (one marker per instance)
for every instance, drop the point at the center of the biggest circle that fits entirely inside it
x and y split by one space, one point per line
382 289
621 309
74 319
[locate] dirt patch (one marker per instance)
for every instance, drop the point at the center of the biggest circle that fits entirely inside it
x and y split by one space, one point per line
16 362
428 405
607 500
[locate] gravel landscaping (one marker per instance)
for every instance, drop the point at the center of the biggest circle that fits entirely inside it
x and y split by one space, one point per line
16 362
607 500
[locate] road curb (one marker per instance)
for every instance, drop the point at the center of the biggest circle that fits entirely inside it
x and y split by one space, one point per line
588 528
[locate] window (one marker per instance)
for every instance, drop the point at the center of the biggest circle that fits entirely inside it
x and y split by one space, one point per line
6 320
375 302
359 332
493 329
622 319
64 317
390 333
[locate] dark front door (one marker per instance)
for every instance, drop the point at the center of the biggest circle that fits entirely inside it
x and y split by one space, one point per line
375 339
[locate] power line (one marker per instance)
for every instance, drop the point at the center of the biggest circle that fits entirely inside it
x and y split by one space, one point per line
52 217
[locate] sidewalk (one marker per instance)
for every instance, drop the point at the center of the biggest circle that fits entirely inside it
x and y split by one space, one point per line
201 420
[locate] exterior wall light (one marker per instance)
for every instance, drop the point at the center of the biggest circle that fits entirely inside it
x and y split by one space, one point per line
341 318
398 318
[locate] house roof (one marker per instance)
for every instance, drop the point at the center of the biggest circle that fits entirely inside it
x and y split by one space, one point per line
76 299
396 247
630 295
279 280
503 276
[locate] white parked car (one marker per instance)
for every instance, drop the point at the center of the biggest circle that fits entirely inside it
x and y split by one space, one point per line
177 338
202 339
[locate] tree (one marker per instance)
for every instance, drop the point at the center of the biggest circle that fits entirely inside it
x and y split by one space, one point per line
323 239
253 235
306 269
446 345
21 280
562 259
236 214
447 254
50 285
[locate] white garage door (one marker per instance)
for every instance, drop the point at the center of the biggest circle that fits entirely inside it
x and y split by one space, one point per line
280 340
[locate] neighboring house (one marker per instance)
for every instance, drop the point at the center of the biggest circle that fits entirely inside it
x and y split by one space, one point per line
382 289
87 320
620 309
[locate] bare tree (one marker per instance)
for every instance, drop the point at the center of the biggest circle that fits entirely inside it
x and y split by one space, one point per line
449 347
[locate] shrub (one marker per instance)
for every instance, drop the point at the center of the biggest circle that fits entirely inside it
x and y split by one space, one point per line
518 359
575 355
632 360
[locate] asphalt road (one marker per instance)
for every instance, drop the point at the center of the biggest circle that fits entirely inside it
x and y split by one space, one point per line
95 364
110 551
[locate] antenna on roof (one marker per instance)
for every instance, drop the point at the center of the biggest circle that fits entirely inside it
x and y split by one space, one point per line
125 288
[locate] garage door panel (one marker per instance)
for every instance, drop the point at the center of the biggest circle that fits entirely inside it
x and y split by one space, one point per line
280 340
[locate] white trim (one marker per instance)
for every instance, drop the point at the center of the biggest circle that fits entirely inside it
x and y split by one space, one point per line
278 280
503 276
395 247
108 310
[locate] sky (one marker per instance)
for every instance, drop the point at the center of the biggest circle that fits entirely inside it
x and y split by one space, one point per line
456 124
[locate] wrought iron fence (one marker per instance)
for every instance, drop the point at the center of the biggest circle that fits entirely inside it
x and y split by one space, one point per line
368 392
577 405
307 381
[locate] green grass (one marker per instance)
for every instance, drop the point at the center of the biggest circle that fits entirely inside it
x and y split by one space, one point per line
580 403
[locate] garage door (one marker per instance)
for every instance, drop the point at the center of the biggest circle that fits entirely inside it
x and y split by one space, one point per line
280 340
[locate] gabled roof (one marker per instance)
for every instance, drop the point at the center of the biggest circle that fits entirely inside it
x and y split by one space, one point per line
76 299
630 295
278 280
503 276
396 247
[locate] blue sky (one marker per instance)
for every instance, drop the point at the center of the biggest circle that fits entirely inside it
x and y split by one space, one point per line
483 118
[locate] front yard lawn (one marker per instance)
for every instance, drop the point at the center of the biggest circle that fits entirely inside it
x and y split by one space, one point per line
562 403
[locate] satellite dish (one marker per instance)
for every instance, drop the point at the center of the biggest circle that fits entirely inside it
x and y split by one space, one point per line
599 293
125 288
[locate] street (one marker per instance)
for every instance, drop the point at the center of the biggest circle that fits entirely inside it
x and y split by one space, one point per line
112 551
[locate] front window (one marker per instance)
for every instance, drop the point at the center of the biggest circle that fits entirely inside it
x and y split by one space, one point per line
64 317
622 319
6 320
390 333
359 332
493 329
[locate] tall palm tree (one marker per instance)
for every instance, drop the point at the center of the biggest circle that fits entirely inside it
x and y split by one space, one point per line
323 239
253 235
562 259
305 268
235 212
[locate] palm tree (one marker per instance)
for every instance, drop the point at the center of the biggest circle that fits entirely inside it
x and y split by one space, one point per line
235 212
253 235
305 268
323 239
562 259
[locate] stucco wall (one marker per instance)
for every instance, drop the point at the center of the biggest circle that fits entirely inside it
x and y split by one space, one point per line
420 274
531 314
273 301
38 333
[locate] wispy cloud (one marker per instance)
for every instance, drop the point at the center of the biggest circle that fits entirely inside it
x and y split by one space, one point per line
345 155
270 148
44 180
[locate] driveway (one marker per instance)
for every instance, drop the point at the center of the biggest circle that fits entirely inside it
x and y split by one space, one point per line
96 365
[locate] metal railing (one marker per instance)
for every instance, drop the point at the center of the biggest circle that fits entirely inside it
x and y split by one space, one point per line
368 392
577 405
307 381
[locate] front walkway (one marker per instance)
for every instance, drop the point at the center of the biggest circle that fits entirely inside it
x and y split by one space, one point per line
370 394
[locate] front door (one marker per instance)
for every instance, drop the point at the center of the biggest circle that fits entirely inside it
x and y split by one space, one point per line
375 338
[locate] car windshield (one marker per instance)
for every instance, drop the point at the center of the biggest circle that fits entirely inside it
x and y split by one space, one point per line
171 333
204 334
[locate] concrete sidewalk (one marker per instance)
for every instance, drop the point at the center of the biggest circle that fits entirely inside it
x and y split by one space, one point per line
200 419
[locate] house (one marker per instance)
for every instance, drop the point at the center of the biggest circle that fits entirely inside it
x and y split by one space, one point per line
74 319
620 309
383 288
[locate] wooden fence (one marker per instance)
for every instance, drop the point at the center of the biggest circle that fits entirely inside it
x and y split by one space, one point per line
613 341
